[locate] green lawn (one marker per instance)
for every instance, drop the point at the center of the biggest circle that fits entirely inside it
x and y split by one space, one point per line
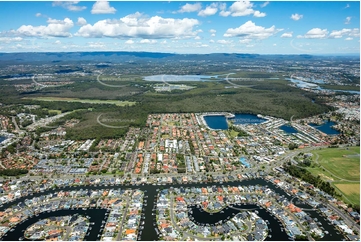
63 99
341 162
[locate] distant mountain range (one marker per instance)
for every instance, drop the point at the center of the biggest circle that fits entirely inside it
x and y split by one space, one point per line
114 57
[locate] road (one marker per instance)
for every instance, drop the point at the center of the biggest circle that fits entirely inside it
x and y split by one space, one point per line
119 236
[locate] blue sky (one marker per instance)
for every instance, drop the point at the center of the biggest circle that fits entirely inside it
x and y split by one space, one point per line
287 27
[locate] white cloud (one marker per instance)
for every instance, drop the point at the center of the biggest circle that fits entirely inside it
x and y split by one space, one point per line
349 38
129 42
222 41
137 25
264 4
274 44
209 10
58 42
348 20
347 6
55 28
296 16
286 35
38 14
315 33
245 41
240 8
213 35
163 42
8 40
102 7
211 41
336 34
147 41
250 30
96 45
81 21
188 8
70 5
258 14
197 38
212 31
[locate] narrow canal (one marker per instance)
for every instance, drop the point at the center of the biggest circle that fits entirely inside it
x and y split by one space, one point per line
149 231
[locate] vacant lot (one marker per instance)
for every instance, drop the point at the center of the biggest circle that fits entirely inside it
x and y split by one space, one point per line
351 191
64 99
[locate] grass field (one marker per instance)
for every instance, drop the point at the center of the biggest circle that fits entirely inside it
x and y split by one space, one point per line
95 101
350 191
340 162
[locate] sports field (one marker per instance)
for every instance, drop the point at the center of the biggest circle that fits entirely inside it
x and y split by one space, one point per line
95 101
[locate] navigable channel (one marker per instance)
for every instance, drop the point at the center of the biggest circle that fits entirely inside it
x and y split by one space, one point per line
149 232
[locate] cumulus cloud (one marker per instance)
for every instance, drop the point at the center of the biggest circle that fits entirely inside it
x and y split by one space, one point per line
102 7
8 40
96 45
250 30
129 42
245 41
81 21
349 38
222 41
147 41
286 35
58 42
197 38
315 33
258 14
70 5
348 20
38 14
240 8
296 16
55 28
188 8
209 10
139 26
336 34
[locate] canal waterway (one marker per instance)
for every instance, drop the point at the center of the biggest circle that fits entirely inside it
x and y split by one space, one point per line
149 232
2 139
96 216
288 129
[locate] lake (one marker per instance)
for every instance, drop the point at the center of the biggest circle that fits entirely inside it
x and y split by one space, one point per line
244 118
220 121
288 129
2 139
216 122
326 127
178 78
